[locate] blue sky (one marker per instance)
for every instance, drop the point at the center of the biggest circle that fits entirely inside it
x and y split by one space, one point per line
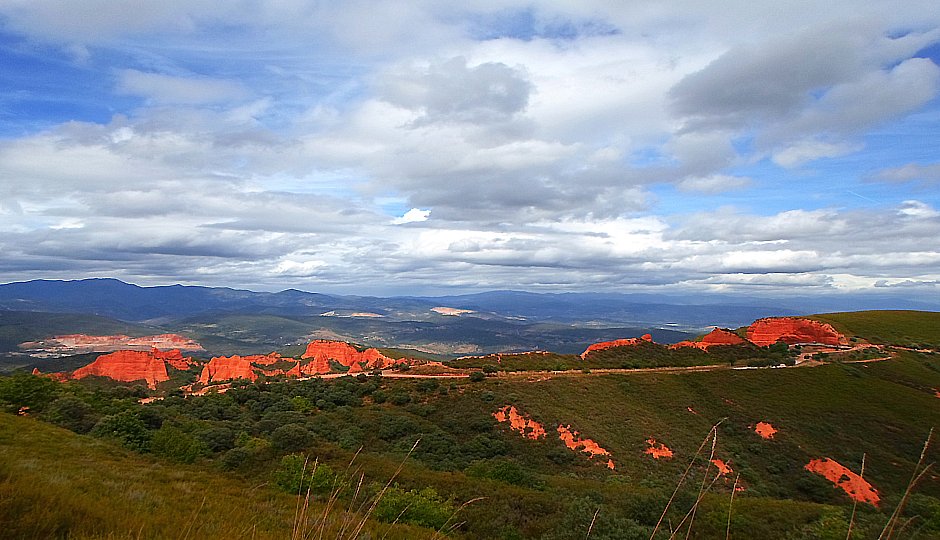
420 148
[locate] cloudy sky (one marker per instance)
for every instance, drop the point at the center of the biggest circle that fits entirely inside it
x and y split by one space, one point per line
763 147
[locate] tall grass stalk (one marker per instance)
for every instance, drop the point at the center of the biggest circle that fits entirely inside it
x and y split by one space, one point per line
861 475
682 478
888 530
734 489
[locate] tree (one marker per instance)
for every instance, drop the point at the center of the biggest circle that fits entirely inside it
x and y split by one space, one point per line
26 390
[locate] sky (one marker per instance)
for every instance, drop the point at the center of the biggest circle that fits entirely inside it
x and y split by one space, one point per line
750 147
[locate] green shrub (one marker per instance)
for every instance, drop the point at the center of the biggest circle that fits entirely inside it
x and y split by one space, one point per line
125 427
177 445
296 473
290 438
25 390
477 376
419 507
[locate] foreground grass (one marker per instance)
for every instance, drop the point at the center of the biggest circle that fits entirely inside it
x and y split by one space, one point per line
55 484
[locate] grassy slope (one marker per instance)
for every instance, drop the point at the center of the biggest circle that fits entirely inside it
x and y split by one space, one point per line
54 483
900 327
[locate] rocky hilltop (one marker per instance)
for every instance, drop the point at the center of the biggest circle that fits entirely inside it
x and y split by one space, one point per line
130 366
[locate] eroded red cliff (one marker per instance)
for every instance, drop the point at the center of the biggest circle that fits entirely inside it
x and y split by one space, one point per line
226 368
856 487
322 351
793 331
629 342
129 366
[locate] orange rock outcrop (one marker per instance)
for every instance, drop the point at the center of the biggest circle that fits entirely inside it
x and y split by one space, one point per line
793 331
765 430
519 422
322 351
129 366
657 449
714 338
573 441
226 368
629 342
854 485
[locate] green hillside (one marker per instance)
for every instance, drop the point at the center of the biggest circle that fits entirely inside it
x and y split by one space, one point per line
898 327
56 484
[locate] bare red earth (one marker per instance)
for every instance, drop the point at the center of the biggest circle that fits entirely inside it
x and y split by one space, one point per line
657 450
765 430
129 366
854 485
573 441
723 468
629 342
519 422
120 341
792 331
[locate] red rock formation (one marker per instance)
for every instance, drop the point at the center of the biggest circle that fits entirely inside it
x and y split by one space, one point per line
518 422
657 450
129 366
629 342
765 430
714 338
226 368
576 443
793 331
322 351
854 485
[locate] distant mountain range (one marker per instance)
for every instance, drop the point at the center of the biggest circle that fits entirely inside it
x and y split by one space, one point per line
229 320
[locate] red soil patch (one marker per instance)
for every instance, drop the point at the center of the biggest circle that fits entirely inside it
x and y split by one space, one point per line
856 487
792 331
518 422
723 468
576 443
630 342
129 366
657 450
765 430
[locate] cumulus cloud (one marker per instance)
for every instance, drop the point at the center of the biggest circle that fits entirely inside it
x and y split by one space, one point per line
258 143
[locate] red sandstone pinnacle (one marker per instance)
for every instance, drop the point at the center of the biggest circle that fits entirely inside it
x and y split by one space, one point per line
793 331
322 351
226 368
629 342
129 366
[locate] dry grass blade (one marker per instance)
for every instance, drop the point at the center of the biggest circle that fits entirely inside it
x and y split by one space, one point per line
734 489
192 520
861 475
888 530
381 493
682 480
593 519
439 533
701 489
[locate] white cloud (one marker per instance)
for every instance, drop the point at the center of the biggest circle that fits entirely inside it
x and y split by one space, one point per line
178 90
415 215
716 183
